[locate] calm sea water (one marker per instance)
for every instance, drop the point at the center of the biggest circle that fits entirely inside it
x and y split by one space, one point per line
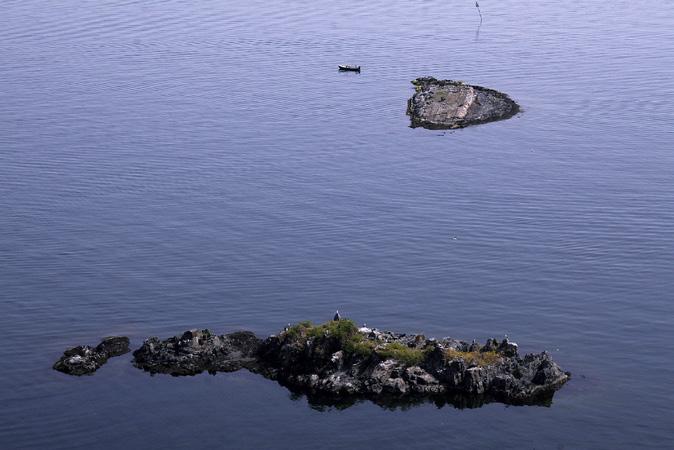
166 165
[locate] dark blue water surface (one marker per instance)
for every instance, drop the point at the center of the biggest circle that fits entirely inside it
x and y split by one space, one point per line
166 165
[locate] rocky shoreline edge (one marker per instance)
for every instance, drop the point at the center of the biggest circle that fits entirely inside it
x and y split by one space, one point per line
337 361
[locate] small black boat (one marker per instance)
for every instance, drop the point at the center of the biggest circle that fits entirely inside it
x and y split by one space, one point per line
347 68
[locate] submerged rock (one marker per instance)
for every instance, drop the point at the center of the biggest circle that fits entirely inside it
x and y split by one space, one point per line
85 360
198 351
445 104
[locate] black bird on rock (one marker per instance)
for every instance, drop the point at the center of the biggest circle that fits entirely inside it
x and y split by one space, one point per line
337 316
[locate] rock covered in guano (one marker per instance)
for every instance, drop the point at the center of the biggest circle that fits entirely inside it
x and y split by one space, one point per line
85 360
446 104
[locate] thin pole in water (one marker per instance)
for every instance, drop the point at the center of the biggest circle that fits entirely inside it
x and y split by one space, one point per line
477 5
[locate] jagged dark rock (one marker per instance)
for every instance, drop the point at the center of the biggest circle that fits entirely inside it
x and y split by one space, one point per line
371 363
85 360
338 364
446 104
198 351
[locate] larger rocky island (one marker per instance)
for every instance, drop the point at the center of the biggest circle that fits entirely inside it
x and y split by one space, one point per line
447 104
337 361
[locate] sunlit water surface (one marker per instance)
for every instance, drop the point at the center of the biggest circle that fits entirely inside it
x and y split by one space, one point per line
166 165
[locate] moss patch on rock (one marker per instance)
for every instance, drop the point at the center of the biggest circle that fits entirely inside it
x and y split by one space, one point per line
475 358
357 344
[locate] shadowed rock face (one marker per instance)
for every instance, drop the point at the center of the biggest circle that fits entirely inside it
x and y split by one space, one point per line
198 351
85 360
446 104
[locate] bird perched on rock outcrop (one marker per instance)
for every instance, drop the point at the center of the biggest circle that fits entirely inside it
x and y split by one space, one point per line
337 316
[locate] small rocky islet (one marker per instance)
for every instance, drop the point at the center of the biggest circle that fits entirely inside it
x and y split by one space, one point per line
448 104
85 360
338 362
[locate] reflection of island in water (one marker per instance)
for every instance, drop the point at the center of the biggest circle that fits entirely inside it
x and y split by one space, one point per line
324 402
337 364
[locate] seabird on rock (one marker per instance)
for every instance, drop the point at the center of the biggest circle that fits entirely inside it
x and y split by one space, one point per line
337 316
